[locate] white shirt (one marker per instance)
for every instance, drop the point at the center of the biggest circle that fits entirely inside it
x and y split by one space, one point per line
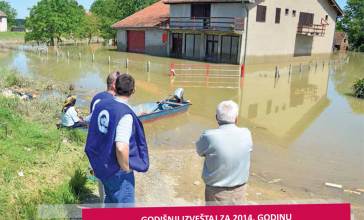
227 155
125 125
70 117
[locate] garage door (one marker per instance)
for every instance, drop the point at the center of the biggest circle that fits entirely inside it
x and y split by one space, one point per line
136 41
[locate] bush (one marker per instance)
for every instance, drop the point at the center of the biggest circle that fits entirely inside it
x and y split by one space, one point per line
359 88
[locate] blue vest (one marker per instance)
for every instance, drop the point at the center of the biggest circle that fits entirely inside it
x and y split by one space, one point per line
100 96
100 145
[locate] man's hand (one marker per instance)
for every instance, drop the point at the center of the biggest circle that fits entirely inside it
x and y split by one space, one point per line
122 155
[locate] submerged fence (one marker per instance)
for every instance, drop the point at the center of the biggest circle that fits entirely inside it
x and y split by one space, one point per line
187 74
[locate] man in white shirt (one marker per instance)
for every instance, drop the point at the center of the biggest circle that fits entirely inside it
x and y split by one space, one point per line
116 144
227 157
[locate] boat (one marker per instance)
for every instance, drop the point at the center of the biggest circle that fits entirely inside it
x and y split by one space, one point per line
151 111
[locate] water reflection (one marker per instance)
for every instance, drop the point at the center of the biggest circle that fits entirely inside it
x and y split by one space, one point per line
345 77
287 105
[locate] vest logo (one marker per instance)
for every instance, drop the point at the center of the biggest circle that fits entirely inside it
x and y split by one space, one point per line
103 121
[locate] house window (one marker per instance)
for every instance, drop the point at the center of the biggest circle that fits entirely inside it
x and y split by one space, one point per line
261 13
278 16
287 11
306 19
229 49
212 43
192 45
294 13
344 40
200 10
326 17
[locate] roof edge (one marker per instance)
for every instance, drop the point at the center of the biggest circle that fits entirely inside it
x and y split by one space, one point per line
337 7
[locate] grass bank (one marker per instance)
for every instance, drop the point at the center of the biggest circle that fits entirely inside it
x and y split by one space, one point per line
39 163
12 36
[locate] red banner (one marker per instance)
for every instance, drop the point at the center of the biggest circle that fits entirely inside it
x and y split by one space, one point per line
249 212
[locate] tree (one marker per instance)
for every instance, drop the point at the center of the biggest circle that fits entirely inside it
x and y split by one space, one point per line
91 26
10 13
111 11
52 20
353 24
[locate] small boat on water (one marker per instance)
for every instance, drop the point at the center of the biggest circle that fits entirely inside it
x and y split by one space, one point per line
151 111
155 110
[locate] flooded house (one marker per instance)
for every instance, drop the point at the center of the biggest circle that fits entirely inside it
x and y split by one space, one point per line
227 31
341 42
3 22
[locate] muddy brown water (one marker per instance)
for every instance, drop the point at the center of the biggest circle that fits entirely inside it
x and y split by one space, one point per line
307 128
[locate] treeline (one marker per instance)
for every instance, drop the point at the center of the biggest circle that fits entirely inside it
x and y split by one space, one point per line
353 24
51 21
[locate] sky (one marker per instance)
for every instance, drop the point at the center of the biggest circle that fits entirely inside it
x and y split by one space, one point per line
22 6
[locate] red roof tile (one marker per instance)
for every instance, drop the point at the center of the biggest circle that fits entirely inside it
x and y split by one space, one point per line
150 16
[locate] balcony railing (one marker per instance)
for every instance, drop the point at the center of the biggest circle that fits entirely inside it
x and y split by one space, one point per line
204 23
312 30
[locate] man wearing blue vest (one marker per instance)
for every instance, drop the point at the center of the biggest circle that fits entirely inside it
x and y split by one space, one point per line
108 94
116 144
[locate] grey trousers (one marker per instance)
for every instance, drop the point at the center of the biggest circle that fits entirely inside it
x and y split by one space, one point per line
225 195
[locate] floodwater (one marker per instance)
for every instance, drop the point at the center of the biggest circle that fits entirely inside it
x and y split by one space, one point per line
307 128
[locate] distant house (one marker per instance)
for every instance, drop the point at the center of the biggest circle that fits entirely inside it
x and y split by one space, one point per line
227 31
341 42
19 25
3 22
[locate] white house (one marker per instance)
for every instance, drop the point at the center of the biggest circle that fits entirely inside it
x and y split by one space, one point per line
3 22
227 31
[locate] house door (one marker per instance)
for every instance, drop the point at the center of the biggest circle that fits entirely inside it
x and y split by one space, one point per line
212 48
136 41
306 19
177 41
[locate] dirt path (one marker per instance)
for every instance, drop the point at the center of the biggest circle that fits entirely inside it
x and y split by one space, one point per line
174 179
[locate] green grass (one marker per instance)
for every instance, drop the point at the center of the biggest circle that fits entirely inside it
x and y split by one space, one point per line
52 161
12 36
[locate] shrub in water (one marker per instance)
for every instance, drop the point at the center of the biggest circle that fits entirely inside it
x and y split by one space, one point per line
359 88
